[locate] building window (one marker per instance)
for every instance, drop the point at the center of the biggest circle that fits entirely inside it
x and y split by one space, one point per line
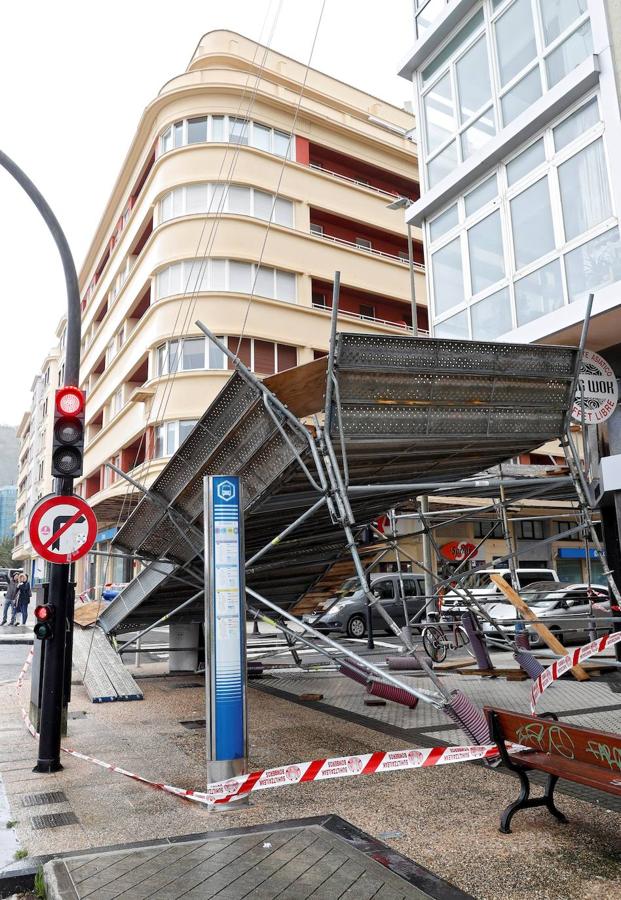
537 234
481 529
530 530
224 129
262 357
202 199
170 435
316 229
117 402
506 56
194 276
363 243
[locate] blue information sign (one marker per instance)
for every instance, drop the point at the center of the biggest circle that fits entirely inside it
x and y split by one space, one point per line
225 625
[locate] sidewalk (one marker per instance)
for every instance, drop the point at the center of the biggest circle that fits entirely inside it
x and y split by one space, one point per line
445 819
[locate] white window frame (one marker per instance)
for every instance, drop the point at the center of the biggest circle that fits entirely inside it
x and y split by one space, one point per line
180 194
547 169
167 135
192 268
163 429
499 91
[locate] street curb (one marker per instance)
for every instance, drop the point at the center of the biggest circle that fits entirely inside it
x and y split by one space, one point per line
58 882
18 880
24 642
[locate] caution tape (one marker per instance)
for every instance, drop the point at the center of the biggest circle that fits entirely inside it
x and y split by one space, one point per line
297 773
560 666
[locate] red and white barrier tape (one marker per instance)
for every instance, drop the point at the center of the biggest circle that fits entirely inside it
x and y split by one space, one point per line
560 666
297 773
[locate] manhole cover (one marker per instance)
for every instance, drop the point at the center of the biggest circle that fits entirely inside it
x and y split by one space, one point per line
42 799
54 820
193 724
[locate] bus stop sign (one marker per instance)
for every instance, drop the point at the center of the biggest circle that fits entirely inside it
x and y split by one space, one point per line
62 529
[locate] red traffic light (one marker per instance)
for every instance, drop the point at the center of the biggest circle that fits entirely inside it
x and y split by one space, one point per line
70 401
43 613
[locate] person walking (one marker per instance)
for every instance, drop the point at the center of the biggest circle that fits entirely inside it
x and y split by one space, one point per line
23 597
10 599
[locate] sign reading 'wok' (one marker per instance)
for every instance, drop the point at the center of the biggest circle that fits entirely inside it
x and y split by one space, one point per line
597 391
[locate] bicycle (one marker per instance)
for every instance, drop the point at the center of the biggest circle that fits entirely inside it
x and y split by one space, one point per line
437 644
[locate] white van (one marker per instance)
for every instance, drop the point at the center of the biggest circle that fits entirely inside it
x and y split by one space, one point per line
480 585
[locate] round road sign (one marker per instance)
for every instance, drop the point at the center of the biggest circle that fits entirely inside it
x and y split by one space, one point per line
597 390
62 529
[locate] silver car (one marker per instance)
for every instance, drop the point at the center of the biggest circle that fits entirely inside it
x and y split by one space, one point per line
564 608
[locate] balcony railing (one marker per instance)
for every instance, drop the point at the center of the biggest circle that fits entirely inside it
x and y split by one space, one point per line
335 240
374 319
360 182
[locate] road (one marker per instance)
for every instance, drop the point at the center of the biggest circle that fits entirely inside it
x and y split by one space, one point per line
12 657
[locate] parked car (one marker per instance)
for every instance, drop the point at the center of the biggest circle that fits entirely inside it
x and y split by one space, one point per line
481 586
564 608
347 615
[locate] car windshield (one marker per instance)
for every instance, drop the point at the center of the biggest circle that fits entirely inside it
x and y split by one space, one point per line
477 580
348 587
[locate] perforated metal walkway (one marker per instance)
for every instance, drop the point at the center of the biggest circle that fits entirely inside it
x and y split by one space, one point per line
407 411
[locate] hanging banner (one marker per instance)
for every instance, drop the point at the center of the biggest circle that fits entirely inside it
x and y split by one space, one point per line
597 391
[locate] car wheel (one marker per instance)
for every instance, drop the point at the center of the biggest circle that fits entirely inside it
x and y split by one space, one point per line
356 627
557 634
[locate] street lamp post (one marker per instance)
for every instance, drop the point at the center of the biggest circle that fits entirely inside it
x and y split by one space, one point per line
403 203
50 724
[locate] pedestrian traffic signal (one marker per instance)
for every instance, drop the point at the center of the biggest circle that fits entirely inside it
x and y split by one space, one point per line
68 438
44 629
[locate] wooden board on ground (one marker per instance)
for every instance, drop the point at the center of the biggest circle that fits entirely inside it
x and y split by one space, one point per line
544 633
454 664
87 613
509 674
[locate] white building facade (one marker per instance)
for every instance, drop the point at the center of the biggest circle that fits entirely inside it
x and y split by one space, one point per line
519 132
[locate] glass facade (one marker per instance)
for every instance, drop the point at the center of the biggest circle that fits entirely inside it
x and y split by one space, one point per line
537 233
503 58
226 129
192 276
197 199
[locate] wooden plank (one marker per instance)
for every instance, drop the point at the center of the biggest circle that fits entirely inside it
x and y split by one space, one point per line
88 613
509 674
454 664
544 633
302 389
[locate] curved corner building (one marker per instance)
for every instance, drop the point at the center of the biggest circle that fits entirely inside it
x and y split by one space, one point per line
243 191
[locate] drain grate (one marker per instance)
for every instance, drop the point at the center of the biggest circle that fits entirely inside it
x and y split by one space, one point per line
194 724
78 714
54 820
190 684
42 799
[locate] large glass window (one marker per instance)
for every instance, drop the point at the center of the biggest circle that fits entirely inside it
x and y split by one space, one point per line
496 65
538 233
225 275
170 436
584 190
487 265
200 129
448 278
531 220
194 199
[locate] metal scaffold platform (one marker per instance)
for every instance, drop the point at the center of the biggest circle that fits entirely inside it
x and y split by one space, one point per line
378 422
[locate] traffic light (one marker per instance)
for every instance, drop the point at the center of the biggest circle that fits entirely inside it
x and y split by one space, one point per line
68 438
44 629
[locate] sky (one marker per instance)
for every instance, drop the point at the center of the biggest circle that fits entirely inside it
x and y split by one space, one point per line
75 79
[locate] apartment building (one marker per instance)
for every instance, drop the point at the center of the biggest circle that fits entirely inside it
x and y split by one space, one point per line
248 183
34 474
518 133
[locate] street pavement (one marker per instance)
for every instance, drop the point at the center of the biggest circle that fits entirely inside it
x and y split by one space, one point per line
445 819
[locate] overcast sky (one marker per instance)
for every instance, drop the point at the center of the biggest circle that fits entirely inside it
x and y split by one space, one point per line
76 75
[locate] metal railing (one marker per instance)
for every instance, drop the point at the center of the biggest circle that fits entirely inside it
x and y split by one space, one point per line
401 259
374 319
357 181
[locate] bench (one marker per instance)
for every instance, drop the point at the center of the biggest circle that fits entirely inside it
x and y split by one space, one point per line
587 757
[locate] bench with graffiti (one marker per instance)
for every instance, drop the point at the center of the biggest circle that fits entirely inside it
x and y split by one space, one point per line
582 755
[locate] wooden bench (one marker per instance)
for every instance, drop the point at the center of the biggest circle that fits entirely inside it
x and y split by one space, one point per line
581 755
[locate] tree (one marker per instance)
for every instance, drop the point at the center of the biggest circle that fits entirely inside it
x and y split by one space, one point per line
6 552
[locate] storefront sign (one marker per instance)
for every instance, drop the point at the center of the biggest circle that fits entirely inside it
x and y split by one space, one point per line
597 392
458 551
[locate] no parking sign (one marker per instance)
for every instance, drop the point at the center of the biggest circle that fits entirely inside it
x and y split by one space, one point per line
62 529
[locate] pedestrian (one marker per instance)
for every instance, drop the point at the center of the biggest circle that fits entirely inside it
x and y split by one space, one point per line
10 599
23 597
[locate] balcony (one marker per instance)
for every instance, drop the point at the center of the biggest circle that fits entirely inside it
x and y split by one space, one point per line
364 237
370 308
346 168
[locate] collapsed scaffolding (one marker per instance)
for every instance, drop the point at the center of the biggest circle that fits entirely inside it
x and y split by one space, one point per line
324 449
